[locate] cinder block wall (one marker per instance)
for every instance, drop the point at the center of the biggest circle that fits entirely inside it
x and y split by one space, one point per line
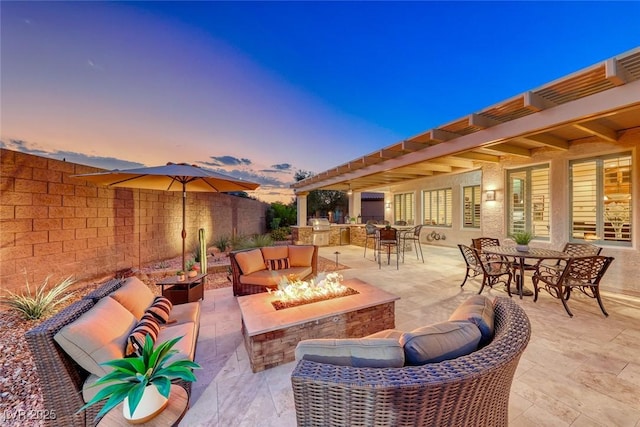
52 224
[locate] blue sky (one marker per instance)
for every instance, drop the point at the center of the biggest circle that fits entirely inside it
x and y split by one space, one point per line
262 89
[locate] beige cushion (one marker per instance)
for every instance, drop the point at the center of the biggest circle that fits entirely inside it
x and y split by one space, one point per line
300 256
359 352
438 342
186 346
250 261
271 278
387 333
183 313
134 295
99 335
88 390
478 310
274 252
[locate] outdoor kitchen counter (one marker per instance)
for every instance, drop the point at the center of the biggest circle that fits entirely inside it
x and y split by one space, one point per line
304 234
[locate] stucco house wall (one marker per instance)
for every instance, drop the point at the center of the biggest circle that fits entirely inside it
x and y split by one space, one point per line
624 271
52 224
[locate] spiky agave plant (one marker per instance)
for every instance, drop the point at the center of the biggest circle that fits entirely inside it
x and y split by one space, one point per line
33 305
131 375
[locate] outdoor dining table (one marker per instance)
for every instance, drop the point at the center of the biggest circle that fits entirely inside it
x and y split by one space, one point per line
532 253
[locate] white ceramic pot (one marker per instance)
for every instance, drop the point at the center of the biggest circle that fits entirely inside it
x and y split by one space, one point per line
151 404
522 248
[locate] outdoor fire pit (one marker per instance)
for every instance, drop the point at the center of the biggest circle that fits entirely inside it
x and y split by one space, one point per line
293 292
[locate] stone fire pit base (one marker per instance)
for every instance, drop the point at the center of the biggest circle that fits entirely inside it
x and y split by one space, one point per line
271 336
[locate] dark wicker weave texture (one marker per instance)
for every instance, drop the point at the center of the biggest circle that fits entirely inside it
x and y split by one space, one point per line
61 379
472 390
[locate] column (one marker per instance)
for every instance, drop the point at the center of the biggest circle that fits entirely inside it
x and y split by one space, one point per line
355 204
302 208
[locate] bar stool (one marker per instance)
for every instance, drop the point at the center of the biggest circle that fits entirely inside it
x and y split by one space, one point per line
371 233
388 237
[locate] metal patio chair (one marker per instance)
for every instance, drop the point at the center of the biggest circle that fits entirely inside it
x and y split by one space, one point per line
582 273
493 271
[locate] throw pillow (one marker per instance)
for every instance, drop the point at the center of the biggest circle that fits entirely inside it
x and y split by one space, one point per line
357 352
274 252
300 256
442 341
478 310
160 309
134 295
278 264
250 261
148 325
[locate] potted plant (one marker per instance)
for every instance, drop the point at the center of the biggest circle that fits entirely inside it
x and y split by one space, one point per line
181 275
192 268
522 240
142 382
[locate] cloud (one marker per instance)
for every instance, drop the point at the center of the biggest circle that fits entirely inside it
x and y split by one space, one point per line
227 161
282 167
70 156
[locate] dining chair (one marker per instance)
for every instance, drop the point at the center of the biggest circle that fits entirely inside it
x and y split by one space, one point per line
492 271
578 250
389 238
481 243
412 235
581 273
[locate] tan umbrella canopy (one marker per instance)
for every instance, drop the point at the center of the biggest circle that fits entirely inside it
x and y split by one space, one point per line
170 177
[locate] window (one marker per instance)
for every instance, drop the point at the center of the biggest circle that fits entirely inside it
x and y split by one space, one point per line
471 203
528 201
601 199
403 207
437 207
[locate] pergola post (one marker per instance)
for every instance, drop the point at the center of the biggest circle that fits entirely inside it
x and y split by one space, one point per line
302 208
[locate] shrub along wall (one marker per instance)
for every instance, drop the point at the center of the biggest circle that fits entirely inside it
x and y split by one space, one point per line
52 224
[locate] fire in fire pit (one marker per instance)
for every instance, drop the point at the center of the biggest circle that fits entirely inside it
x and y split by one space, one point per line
293 292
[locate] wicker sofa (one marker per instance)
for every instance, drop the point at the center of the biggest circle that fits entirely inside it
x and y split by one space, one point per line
471 390
66 386
257 269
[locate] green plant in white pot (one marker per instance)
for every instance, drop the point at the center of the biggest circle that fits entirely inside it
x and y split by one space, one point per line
142 382
522 240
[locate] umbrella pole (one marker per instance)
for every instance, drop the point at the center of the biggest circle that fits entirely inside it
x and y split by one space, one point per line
184 231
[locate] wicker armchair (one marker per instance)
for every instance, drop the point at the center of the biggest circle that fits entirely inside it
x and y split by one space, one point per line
471 390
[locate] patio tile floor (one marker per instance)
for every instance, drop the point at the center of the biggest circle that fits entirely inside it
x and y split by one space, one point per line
580 371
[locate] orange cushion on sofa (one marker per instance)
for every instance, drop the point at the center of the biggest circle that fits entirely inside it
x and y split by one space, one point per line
251 261
274 252
300 256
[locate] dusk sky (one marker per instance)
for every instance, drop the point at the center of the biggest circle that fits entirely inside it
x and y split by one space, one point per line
261 90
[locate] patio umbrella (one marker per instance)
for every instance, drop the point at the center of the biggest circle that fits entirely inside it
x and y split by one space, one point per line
170 177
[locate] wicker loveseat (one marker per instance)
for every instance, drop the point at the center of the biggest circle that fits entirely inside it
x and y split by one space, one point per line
472 390
63 381
255 270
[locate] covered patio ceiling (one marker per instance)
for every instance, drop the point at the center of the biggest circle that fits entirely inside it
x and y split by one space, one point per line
602 101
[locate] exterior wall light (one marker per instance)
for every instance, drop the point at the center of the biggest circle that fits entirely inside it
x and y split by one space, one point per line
490 195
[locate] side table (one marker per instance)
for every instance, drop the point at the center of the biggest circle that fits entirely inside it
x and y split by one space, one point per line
171 416
180 292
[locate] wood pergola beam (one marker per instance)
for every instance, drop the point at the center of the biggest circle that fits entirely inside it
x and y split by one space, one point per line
535 102
598 130
548 140
510 149
616 73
